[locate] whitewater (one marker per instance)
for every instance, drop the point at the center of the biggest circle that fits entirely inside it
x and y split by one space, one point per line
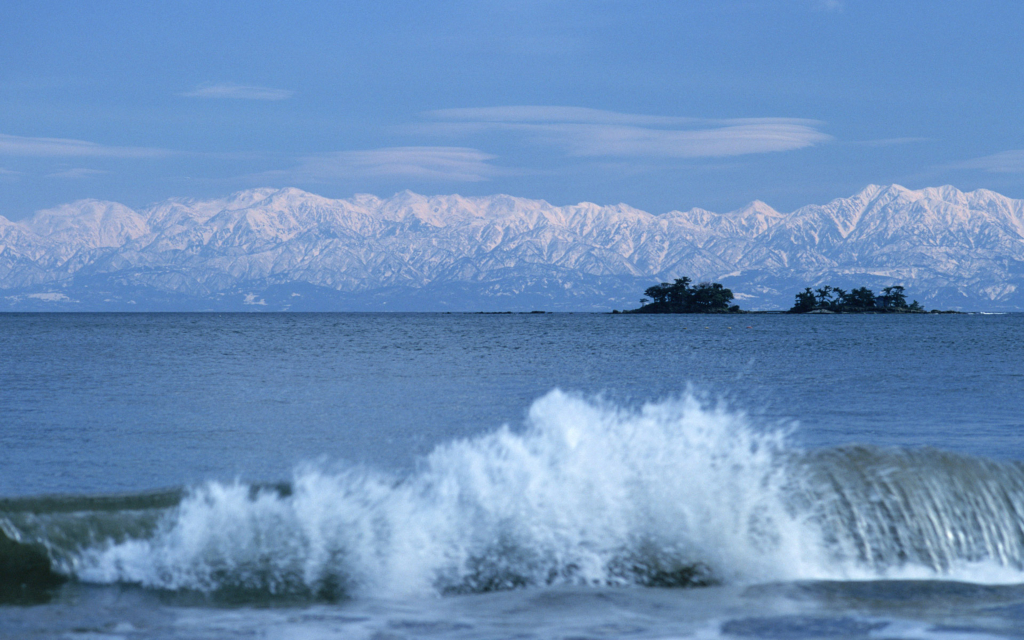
673 494
595 514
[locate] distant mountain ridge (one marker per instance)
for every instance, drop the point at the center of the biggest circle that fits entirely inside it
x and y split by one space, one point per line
289 249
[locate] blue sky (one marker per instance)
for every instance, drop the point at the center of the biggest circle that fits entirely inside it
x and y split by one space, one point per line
662 105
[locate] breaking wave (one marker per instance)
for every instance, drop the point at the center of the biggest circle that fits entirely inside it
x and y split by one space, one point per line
674 493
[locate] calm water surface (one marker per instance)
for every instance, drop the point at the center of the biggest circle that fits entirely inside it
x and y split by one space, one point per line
95 403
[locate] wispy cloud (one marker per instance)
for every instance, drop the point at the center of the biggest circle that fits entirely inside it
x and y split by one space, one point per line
582 115
611 140
1004 162
459 164
592 132
889 142
77 173
238 92
64 147
7 174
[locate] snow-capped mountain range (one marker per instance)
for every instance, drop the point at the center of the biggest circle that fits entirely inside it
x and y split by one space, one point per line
289 249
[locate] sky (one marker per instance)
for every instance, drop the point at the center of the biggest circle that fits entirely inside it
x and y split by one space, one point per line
661 105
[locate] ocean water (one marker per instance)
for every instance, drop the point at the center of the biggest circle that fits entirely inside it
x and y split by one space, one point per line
511 476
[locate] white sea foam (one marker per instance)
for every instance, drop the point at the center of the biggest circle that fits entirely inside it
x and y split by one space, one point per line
675 492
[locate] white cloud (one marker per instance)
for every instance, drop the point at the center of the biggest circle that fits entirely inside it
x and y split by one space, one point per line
1004 162
425 163
238 92
592 132
77 173
50 297
64 147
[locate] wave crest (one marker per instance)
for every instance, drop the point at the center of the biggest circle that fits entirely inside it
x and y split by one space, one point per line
673 493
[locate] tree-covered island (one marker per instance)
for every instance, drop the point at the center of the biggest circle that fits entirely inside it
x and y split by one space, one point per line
680 297
711 297
829 299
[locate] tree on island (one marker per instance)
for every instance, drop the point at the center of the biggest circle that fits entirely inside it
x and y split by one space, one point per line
862 300
680 297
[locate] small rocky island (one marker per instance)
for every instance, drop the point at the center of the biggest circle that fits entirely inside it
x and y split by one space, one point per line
680 297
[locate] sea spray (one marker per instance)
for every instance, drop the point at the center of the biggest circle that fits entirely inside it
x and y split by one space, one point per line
673 493
587 493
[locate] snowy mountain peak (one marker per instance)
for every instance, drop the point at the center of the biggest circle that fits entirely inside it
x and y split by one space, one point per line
870 192
248 198
450 252
89 224
755 208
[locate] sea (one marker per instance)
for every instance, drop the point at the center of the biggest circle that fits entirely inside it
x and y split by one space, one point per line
530 475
